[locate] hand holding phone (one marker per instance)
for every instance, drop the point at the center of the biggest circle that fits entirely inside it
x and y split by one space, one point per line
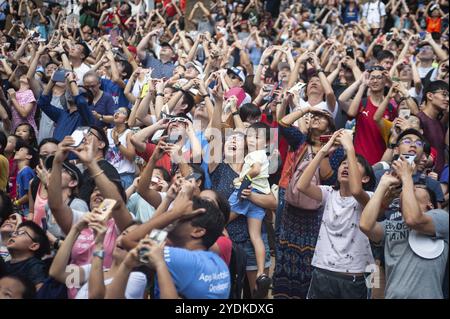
78 135
103 211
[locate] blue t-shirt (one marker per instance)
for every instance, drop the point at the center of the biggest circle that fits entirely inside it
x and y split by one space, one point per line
116 92
104 106
23 182
197 274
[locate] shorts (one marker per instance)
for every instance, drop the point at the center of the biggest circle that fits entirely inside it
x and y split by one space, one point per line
246 207
250 252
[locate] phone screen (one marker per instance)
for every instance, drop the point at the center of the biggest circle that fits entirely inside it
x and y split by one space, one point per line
78 135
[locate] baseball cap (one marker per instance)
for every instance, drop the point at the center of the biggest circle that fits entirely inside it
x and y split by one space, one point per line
238 72
425 246
196 65
72 168
166 44
283 65
328 115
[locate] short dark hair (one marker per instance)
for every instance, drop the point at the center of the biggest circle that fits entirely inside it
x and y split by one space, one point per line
435 86
46 141
127 68
165 173
384 54
33 162
29 288
261 125
103 138
212 220
368 171
189 100
39 236
249 110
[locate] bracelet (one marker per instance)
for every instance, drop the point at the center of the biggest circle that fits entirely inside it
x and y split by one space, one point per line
16 202
73 81
235 113
98 174
319 70
392 145
160 94
205 96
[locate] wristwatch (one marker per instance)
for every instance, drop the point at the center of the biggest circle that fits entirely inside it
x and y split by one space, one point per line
235 113
99 253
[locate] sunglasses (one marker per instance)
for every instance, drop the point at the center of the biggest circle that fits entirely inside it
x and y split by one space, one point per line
178 119
376 68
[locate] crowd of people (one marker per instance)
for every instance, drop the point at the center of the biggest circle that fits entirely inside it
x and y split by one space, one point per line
224 149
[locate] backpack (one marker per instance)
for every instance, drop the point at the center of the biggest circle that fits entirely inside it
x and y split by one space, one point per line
237 267
293 196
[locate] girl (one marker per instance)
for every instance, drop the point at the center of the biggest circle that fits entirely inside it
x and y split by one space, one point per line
342 251
94 278
121 152
23 102
26 132
255 172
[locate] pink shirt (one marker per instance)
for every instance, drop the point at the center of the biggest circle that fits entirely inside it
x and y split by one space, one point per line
23 98
84 247
39 207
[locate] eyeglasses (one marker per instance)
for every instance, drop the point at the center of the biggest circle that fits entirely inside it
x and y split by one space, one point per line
178 119
22 232
121 112
444 93
408 141
91 132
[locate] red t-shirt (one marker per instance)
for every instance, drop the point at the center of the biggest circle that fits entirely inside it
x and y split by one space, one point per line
368 140
282 143
149 149
12 177
225 246
170 9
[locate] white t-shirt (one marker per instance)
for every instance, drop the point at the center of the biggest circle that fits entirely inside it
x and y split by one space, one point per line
80 72
424 71
341 246
135 286
260 182
373 11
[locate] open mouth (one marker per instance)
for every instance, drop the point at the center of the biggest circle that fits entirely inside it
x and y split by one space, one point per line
344 173
412 152
10 242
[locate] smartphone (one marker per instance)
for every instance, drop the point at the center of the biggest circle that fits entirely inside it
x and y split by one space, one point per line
195 176
244 185
404 113
113 34
325 138
410 158
157 235
145 89
422 35
349 52
173 139
106 208
59 75
78 135
297 88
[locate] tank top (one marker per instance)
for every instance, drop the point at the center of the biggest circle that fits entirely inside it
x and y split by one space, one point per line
115 157
39 207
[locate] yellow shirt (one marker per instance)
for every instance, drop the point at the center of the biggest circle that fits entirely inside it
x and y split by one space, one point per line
4 172
385 129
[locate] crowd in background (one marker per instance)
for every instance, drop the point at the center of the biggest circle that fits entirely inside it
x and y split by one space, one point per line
248 149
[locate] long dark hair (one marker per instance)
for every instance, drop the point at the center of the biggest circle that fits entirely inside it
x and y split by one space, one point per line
32 141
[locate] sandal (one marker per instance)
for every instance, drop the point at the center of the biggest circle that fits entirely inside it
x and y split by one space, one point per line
263 283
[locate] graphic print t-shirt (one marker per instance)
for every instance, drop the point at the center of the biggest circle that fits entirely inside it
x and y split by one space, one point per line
197 274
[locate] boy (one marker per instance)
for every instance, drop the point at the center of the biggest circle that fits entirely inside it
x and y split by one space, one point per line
26 159
27 245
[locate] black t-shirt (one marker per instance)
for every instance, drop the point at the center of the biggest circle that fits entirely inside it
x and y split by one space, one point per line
33 269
